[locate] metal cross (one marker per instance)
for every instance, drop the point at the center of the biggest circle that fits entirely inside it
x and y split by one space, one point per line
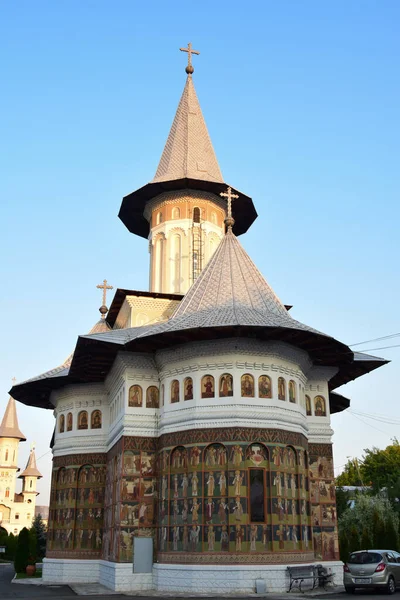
189 68
230 197
105 287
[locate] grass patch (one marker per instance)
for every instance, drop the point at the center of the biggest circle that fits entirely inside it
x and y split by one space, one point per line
25 576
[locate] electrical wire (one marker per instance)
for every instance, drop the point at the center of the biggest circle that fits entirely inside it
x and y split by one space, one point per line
385 337
366 423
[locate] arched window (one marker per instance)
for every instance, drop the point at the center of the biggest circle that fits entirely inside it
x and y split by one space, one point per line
176 263
264 386
69 421
176 213
174 391
152 397
308 406
135 396
281 388
61 424
207 386
28 516
188 388
247 385
159 218
83 422
319 406
225 385
95 422
214 218
6 457
162 394
159 263
196 215
7 492
292 391
30 483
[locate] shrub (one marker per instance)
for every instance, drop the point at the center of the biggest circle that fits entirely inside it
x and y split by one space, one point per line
22 551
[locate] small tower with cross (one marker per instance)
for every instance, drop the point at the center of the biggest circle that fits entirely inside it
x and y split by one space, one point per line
103 308
181 211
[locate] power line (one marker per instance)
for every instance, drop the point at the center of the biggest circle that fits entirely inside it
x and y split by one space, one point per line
379 418
381 348
369 424
385 337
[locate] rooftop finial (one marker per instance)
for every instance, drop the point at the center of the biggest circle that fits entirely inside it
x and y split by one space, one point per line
229 221
103 308
189 69
14 380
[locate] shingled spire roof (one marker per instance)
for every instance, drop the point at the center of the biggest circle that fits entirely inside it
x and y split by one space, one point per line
188 151
31 469
9 427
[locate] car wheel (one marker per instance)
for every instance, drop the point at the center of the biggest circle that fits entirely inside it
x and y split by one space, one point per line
391 586
349 590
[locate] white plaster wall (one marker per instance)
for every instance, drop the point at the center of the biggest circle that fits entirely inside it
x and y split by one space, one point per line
195 579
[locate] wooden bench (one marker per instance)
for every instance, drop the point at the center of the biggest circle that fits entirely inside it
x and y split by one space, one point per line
316 574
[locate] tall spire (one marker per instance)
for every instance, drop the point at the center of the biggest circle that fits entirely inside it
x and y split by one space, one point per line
31 469
9 427
188 152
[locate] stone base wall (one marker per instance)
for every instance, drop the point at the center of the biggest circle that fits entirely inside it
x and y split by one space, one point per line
196 579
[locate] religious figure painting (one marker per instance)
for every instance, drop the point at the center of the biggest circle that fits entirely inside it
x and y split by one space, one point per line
225 385
69 422
281 388
96 420
174 391
152 397
162 394
264 387
135 396
308 406
83 420
61 426
247 382
188 388
319 406
292 391
207 387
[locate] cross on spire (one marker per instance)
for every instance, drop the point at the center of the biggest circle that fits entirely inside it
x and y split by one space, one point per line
103 286
229 221
189 69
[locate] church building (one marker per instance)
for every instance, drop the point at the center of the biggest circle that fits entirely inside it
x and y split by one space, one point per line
17 509
193 443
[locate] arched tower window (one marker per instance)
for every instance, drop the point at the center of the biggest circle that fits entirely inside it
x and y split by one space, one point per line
7 492
176 253
174 391
292 391
196 215
214 218
6 457
159 218
176 213
308 406
319 406
95 422
69 421
188 388
152 397
135 396
159 264
281 388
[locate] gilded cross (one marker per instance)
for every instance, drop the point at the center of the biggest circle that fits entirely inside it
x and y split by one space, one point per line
189 68
103 286
229 197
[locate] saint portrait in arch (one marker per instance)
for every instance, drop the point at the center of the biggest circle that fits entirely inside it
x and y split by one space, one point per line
247 386
83 420
226 385
207 386
152 397
319 406
96 420
69 422
174 391
61 426
292 391
308 405
264 387
188 387
281 389
135 396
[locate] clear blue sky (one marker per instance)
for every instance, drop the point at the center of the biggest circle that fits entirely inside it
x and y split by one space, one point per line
302 103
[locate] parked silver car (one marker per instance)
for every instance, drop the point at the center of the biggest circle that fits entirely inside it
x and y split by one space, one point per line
372 569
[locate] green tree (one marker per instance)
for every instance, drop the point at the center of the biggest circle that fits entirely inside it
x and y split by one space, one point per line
32 547
342 501
381 468
366 539
41 535
22 552
11 546
351 474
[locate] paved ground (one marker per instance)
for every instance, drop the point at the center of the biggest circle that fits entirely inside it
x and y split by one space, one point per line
9 591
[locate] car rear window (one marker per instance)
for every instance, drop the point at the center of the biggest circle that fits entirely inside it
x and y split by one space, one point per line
364 558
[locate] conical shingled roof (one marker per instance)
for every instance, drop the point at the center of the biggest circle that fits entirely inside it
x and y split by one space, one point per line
9 427
188 152
31 469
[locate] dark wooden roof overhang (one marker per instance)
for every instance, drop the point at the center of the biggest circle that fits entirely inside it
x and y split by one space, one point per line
133 205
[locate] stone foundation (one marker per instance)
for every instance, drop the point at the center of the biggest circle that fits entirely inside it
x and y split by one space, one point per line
197 579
